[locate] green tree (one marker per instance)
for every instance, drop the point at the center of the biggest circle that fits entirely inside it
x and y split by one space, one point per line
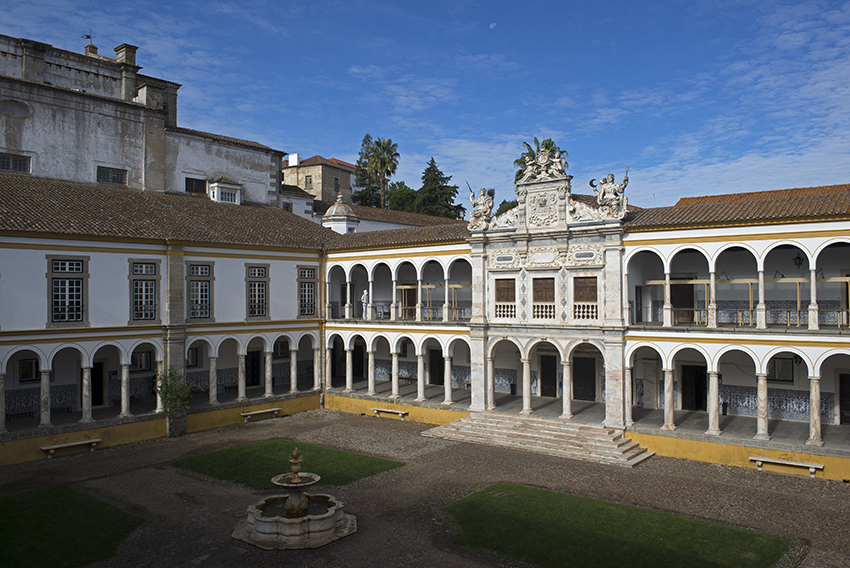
531 153
369 192
401 197
505 205
436 197
383 161
175 393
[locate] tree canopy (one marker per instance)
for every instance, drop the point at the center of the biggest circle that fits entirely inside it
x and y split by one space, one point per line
531 153
383 161
369 189
401 197
435 197
505 205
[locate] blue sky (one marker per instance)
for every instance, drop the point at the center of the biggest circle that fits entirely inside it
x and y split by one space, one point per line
696 97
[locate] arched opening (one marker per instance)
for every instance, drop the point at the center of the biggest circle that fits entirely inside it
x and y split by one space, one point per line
143 369
305 361
23 388
433 291
255 367
281 364
337 362
736 285
359 285
689 284
587 366
835 389
382 291
406 291
106 379
460 290
507 373
833 286
383 365
228 368
647 380
786 287
337 293
646 288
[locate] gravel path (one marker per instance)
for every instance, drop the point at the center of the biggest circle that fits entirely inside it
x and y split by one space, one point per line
190 519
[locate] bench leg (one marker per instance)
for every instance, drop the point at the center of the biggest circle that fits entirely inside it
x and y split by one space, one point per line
812 471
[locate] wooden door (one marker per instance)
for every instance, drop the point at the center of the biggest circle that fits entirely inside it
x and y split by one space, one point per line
682 298
584 378
694 387
435 367
548 375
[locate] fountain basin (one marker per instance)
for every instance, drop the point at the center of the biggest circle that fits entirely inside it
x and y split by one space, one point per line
265 530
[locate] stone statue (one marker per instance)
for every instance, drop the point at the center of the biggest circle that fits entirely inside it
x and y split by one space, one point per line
609 196
364 299
479 218
544 166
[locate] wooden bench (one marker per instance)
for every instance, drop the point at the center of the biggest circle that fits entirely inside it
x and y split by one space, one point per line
272 411
407 379
228 388
58 409
50 449
762 460
401 413
18 414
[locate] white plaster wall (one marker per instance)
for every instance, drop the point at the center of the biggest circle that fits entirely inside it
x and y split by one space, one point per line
192 156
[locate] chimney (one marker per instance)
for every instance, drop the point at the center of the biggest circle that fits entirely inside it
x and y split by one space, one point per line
126 53
91 49
294 160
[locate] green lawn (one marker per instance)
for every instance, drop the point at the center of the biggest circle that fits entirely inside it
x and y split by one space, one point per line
60 528
552 529
255 464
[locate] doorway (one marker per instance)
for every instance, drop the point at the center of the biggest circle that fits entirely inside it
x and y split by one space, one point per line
584 378
694 387
682 299
252 369
548 375
358 361
435 366
844 400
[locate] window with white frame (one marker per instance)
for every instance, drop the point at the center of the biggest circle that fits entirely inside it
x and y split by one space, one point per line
15 163
115 176
200 281
68 290
144 283
306 291
257 280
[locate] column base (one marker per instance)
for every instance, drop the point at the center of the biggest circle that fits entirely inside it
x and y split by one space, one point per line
630 423
86 420
566 416
447 402
710 432
526 411
343 390
814 443
213 403
395 396
241 398
44 426
761 437
125 415
370 393
417 399
490 407
268 395
669 428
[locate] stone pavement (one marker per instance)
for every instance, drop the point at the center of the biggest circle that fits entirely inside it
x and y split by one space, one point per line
189 519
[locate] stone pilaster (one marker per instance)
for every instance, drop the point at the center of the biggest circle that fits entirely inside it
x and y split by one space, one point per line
490 392
480 381
328 368
614 383
814 321
712 301
2 403
160 367
526 386
317 369
628 397
567 390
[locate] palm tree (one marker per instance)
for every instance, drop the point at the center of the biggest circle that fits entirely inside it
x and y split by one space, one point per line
547 144
383 160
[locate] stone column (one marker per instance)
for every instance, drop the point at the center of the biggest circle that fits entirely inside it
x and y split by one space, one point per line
348 306
761 307
813 301
447 379
370 391
328 367
567 390
86 418
328 306
420 377
490 402
394 304
370 307
815 438
213 381
669 416
2 403
627 396
712 300
293 370
240 378
125 391
395 375
418 299
526 386
349 371
317 366
627 306
45 400
160 368
713 404
668 306
761 419
269 379
446 309
614 382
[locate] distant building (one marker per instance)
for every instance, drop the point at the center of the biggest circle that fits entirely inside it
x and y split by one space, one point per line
322 177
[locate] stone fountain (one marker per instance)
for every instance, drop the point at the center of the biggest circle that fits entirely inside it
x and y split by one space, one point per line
297 519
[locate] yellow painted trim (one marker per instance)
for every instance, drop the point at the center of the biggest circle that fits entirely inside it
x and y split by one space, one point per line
401 329
29 341
732 339
332 258
199 421
732 238
421 414
236 325
837 468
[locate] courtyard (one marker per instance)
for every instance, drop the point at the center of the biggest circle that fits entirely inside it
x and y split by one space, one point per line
189 518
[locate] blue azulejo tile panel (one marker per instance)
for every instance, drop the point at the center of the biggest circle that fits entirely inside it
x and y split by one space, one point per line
305 371
22 400
782 404
227 378
280 373
200 379
408 368
504 378
63 395
383 370
460 374
675 393
141 388
638 393
535 384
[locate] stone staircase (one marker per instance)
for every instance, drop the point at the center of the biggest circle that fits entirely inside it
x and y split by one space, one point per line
545 436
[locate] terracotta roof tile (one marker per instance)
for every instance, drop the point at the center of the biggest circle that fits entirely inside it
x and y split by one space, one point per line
35 205
782 206
389 216
318 160
394 238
